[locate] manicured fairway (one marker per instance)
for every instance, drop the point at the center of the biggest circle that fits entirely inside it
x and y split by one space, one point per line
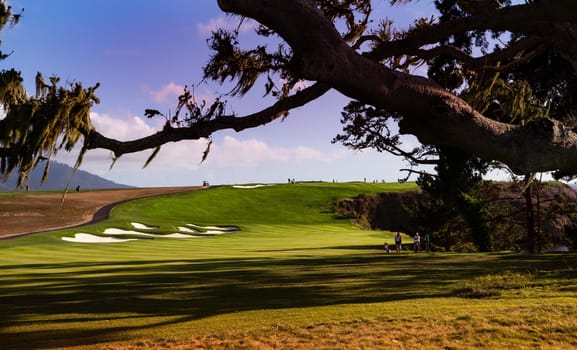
294 276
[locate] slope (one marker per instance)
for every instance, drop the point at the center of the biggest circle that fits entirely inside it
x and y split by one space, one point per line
59 176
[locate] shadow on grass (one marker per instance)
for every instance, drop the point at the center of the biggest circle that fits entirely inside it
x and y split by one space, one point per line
174 291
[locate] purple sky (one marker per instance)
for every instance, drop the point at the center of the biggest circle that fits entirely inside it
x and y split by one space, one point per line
143 53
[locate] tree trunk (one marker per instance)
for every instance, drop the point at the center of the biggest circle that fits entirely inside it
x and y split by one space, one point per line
428 111
530 216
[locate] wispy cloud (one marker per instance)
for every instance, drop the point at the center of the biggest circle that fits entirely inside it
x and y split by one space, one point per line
231 159
232 152
225 22
180 156
120 129
166 93
174 155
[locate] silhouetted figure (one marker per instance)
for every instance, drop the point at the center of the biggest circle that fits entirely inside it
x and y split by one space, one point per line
417 241
78 188
427 239
398 242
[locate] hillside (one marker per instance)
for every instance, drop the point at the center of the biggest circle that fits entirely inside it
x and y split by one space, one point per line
59 176
394 211
293 277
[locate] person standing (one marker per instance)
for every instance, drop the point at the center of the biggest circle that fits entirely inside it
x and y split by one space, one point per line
417 240
398 242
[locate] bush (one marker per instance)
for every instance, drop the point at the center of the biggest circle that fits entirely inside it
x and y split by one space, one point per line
465 247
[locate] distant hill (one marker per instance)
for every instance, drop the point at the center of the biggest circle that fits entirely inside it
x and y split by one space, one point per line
59 176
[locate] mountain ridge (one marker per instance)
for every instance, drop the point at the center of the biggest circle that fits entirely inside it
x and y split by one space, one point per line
58 177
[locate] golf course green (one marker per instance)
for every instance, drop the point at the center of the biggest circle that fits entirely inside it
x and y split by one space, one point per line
293 275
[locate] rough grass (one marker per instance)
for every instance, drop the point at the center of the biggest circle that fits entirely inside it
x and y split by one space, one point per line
293 278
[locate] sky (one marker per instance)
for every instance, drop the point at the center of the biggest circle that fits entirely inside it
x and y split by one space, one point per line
143 53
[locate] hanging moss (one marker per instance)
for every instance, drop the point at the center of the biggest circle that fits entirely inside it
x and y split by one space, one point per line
36 128
510 102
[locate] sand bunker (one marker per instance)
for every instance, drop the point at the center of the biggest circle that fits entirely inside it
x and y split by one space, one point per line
227 228
187 231
90 238
211 233
248 186
143 226
117 231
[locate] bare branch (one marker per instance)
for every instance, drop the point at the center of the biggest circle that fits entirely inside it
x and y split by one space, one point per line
203 129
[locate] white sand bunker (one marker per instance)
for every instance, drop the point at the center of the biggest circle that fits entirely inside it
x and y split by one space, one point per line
140 226
214 229
90 238
117 231
248 186
187 231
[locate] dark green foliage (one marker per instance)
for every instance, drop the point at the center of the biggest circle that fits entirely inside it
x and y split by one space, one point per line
571 233
7 17
230 62
365 126
550 80
455 214
478 219
348 11
11 90
189 111
511 90
151 113
446 72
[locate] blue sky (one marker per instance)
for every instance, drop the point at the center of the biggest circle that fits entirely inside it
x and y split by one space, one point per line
143 53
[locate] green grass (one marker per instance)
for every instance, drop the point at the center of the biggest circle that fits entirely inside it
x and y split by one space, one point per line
12 193
306 204
295 275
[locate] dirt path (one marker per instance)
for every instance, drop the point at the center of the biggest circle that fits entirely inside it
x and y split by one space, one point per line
37 212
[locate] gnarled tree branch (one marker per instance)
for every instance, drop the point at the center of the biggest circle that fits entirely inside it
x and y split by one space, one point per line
523 19
204 129
430 112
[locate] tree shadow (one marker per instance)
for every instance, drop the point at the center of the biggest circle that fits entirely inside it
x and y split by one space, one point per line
185 290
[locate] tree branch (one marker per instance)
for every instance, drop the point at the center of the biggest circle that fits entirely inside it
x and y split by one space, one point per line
204 129
431 113
516 53
527 19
